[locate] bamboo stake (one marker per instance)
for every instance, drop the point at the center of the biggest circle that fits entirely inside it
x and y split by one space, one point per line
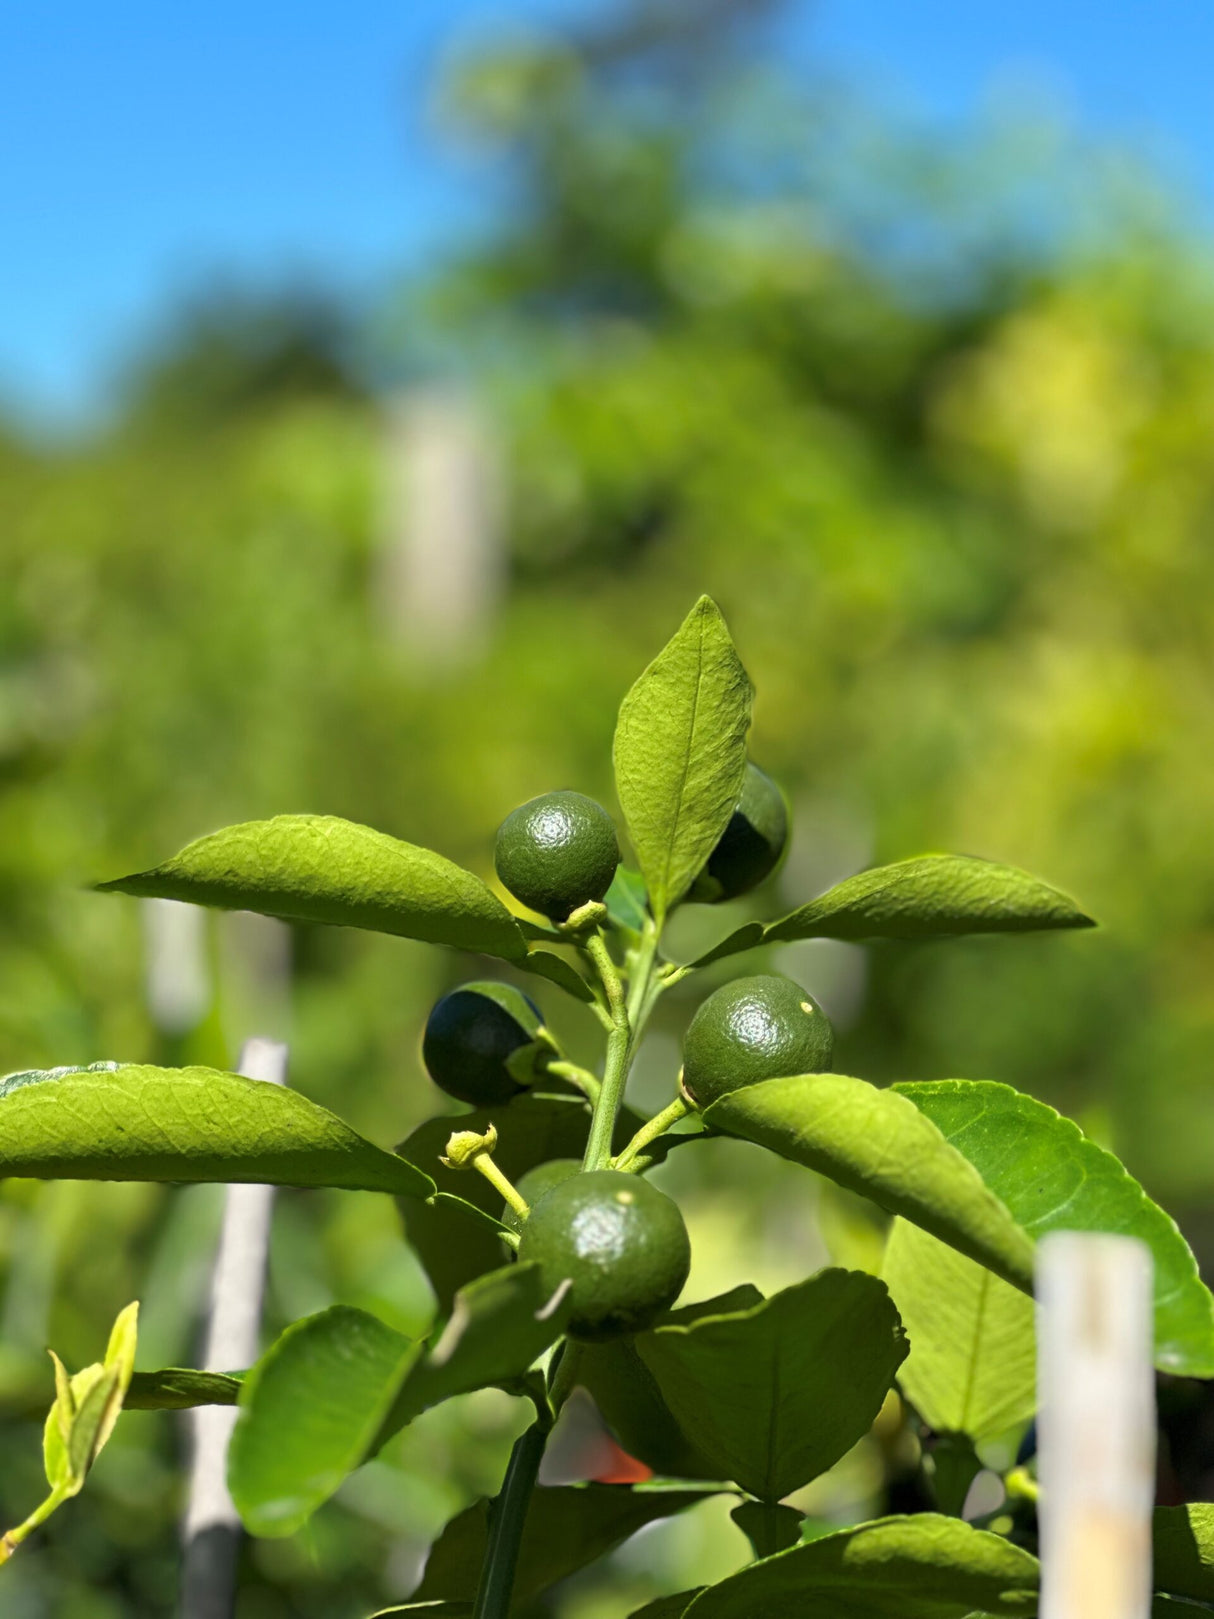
212 1529
1096 1425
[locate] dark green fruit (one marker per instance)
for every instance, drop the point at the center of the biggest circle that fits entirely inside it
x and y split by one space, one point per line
540 1178
481 1043
752 1029
751 846
621 1243
557 852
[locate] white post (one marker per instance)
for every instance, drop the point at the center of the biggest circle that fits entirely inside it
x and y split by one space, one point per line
441 560
212 1526
1096 1425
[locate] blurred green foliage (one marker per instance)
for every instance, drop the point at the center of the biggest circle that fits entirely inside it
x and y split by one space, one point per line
931 420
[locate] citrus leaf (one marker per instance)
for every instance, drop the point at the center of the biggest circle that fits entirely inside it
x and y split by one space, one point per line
567 1528
984 1168
1052 1178
921 1567
777 1393
680 753
768 1526
671 1607
318 868
499 1325
878 1143
137 1123
310 1410
178 1388
972 1362
932 895
547 964
429 1610
746 937
337 1385
1183 1551
627 899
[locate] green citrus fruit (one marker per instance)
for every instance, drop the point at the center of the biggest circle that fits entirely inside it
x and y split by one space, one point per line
619 1241
751 846
481 1043
539 1179
752 1029
557 852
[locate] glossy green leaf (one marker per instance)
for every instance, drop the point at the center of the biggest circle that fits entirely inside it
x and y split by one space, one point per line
1183 1551
318 868
178 1388
777 1393
567 1528
310 1411
984 1168
136 1123
500 1324
547 964
972 1362
768 1526
627 1394
921 1567
671 1607
1052 1178
878 1143
534 1127
337 1385
429 1610
680 752
932 895
627 900
746 937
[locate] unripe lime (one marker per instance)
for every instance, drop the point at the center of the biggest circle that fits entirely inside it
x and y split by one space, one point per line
540 1178
619 1241
557 852
751 846
752 1029
481 1044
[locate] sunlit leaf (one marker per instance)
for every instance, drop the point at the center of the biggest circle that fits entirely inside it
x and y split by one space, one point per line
680 752
972 1362
318 868
932 895
137 1123
921 1567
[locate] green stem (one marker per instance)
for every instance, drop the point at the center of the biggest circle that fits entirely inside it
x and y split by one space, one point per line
589 1084
619 1052
507 1515
13 1537
1020 1484
650 1131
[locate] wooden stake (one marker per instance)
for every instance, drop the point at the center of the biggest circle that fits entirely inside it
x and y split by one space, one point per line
212 1524
1096 1425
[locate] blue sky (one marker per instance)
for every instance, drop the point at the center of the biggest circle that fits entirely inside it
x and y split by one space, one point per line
144 147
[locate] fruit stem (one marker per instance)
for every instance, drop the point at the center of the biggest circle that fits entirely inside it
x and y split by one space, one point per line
650 1131
589 1084
619 1052
507 1516
643 988
498 1181
470 1149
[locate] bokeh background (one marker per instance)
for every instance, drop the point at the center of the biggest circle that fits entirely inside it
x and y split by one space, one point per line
380 391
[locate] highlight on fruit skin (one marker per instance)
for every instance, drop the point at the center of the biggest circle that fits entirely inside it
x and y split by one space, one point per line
482 1043
756 1028
751 846
620 1243
557 853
